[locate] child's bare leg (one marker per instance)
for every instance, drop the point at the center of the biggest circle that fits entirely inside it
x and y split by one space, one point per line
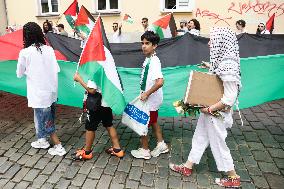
90 136
54 138
158 132
232 173
189 164
113 136
144 142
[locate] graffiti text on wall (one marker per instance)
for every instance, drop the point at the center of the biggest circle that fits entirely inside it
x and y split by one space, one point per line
258 7
211 15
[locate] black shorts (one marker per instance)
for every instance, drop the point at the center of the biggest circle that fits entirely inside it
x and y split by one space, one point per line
103 114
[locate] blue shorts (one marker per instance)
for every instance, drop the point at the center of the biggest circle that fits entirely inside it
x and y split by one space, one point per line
44 121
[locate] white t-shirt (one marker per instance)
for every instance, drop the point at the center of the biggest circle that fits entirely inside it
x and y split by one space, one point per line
155 100
41 71
116 38
265 32
93 85
194 32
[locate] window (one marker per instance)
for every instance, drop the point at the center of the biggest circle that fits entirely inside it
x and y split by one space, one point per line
48 6
107 5
177 5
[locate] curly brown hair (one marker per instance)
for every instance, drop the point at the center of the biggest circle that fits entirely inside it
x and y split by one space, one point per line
32 35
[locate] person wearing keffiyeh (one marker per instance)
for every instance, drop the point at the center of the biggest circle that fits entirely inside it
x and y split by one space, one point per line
224 62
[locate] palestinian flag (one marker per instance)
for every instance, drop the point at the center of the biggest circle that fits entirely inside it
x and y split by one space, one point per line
165 27
96 63
270 23
262 69
128 19
85 21
71 13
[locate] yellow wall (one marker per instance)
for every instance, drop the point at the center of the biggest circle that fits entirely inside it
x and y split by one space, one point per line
3 19
209 13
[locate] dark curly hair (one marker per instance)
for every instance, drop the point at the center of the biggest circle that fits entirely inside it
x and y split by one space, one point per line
196 23
241 23
151 36
32 35
49 27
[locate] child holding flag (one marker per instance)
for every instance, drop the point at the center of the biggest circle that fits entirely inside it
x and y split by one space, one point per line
151 91
102 113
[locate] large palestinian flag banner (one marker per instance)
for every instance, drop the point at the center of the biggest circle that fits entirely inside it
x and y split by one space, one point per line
262 67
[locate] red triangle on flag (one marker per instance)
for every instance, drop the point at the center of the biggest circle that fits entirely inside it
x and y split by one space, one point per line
126 16
270 23
72 9
94 48
164 21
82 17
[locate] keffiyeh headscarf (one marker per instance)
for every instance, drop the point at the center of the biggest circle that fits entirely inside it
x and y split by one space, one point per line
224 54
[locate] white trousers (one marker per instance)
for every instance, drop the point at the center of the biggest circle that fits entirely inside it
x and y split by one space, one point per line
211 131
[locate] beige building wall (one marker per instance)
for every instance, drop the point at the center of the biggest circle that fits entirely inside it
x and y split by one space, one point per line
3 18
209 13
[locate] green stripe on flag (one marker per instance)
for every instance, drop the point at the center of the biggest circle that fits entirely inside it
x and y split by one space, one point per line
84 28
70 21
262 80
111 95
158 30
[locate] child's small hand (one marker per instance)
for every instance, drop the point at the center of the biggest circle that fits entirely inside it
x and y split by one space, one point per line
77 77
143 97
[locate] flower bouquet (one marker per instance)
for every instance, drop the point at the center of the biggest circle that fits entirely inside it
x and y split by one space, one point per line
191 110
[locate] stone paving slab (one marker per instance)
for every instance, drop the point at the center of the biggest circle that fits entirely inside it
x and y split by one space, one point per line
257 149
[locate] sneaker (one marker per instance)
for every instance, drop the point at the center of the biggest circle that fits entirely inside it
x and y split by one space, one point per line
161 148
141 153
181 169
111 151
231 182
40 144
80 154
57 150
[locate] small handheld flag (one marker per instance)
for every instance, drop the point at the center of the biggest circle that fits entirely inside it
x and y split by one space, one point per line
128 19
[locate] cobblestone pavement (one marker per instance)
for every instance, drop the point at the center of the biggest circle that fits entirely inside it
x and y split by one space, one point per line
257 149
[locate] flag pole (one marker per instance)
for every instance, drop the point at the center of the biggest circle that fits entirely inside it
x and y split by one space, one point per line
173 8
84 47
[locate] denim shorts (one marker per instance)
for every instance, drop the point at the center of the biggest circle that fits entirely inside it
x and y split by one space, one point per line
44 121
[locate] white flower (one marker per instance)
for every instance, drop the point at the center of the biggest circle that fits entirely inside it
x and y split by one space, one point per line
179 110
176 104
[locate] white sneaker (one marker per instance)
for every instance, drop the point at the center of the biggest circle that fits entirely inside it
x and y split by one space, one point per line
141 153
57 150
161 148
40 143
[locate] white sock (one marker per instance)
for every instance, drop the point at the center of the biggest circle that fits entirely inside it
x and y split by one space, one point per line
162 142
42 139
58 145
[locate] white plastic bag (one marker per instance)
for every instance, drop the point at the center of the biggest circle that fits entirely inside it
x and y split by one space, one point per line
136 116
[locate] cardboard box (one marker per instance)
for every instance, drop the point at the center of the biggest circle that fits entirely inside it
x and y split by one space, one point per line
203 89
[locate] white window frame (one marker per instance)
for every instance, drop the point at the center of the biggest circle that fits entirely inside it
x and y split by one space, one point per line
189 8
108 10
50 13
